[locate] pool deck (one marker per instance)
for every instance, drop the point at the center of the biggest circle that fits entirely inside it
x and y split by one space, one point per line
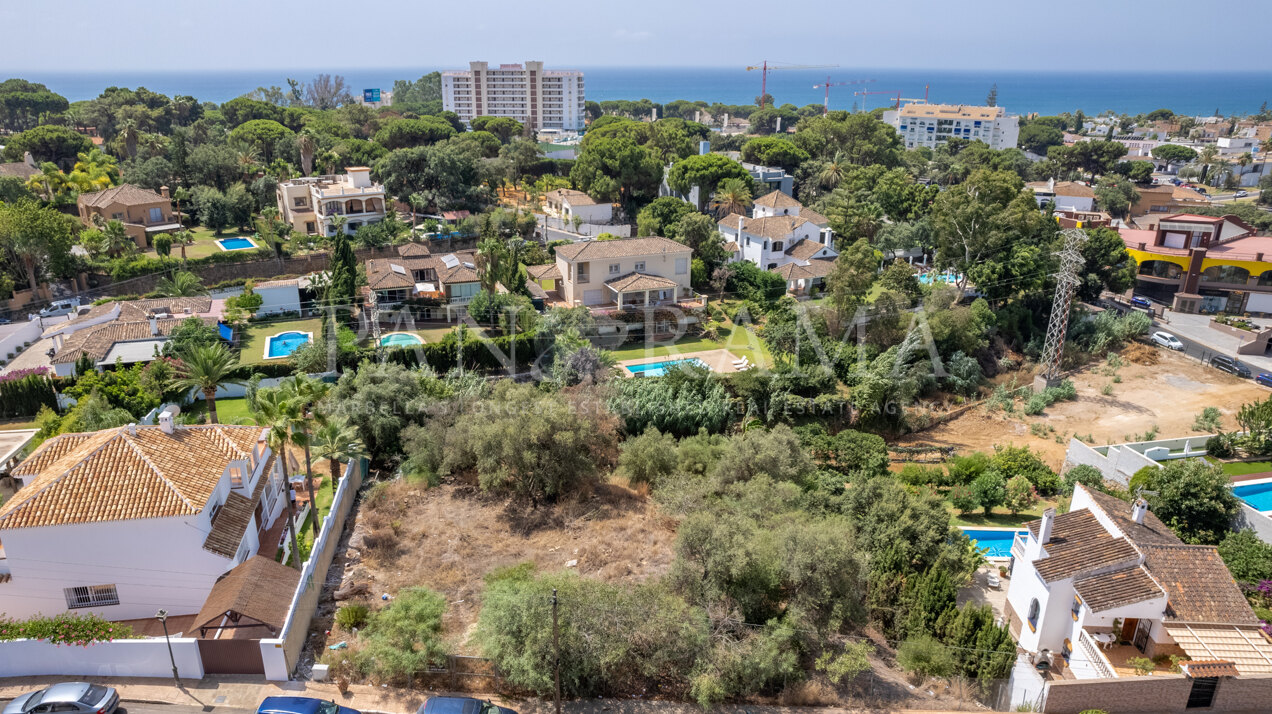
221 245
269 341
994 558
1252 480
720 361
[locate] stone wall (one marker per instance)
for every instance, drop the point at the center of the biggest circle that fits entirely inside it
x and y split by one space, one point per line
1158 694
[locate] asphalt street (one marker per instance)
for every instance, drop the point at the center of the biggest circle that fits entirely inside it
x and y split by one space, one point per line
126 707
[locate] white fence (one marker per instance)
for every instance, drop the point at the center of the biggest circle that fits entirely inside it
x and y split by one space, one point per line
121 658
280 654
15 341
622 230
1118 462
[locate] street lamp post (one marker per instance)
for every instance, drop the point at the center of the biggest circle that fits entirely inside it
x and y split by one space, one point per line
162 616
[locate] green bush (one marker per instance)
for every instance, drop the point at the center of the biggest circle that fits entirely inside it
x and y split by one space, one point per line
66 629
1221 446
351 616
1084 474
1248 558
403 639
925 656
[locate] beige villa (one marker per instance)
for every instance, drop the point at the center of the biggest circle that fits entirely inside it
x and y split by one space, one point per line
309 203
632 272
143 212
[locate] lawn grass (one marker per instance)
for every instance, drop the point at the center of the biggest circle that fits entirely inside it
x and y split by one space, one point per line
11 425
1246 467
228 411
1000 518
738 340
255 336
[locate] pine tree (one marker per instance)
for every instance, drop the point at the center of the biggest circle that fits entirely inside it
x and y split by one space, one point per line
992 98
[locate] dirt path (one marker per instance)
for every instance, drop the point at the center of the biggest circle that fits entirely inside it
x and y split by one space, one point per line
1168 396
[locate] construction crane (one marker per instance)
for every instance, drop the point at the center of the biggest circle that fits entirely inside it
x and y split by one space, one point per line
924 100
765 68
829 84
889 92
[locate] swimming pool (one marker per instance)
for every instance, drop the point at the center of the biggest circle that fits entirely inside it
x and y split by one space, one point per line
236 243
927 278
996 543
285 343
400 339
1258 495
658 369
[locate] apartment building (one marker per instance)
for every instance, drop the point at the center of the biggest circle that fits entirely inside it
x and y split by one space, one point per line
538 98
309 203
931 125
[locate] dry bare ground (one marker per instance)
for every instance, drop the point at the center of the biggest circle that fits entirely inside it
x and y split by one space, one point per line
1168 395
450 537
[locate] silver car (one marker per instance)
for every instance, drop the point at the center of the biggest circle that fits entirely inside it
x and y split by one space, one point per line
68 697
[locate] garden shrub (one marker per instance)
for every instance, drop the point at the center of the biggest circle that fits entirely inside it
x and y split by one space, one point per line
66 629
351 616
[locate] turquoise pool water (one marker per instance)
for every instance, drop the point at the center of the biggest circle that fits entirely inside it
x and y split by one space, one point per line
285 343
997 544
927 278
236 243
658 369
400 339
1258 495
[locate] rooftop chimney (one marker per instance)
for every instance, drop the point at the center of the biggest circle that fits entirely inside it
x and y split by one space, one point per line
132 429
167 418
1044 530
1138 510
163 191
154 325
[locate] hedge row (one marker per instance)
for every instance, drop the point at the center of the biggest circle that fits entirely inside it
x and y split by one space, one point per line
23 397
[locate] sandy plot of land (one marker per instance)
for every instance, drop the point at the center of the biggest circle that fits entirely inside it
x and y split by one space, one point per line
1168 395
450 537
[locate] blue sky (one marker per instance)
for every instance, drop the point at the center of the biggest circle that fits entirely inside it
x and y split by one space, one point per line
185 35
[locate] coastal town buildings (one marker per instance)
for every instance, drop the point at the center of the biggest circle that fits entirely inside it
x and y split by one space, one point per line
931 125
541 99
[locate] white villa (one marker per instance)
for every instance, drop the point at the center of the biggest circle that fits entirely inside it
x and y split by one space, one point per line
784 237
125 521
1110 572
309 203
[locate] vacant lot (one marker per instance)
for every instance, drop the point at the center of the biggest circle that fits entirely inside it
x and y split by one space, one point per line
450 537
1166 396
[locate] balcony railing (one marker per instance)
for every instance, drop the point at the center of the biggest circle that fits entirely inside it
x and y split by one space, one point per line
1100 665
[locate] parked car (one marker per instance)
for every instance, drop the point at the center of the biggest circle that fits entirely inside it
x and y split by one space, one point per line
60 307
1224 363
301 705
1240 194
1167 340
70 697
1143 302
1264 378
460 705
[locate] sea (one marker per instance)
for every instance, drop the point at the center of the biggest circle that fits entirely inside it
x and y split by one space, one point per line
1189 93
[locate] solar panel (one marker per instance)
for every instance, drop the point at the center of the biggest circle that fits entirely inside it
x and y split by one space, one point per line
397 268
450 261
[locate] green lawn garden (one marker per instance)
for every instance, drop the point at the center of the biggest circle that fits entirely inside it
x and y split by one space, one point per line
1246 467
255 337
999 517
737 340
228 411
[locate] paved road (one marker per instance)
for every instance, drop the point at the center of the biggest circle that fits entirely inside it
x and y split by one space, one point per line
138 708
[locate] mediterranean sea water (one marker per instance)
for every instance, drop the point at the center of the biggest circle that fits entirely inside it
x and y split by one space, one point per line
1192 93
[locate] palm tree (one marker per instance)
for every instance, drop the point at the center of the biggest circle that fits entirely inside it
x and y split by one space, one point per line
117 239
94 171
307 143
1266 146
1245 159
278 413
248 161
418 204
337 440
338 223
833 171
129 133
50 184
1206 157
733 196
181 283
307 393
183 238
206 368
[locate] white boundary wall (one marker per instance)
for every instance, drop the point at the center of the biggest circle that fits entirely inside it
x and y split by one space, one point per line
120 658
281 654
1118 462
12 342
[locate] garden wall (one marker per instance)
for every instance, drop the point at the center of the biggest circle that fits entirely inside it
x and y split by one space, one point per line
281 654
22 333
120 658
1116 463
1159 694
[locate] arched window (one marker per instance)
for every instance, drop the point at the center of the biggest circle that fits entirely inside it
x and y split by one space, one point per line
1034 610
1265 278
1225 274
1160 269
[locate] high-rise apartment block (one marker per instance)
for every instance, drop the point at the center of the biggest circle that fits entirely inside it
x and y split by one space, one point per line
541 99
933 124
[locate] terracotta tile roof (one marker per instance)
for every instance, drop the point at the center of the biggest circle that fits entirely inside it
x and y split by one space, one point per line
536 291
382 276
19 169
1151 532
414 250
817 268
639 281
231 523
1117 588
804 249
259 589
1198 586
1073 189
731 246
1209 668
127 194
143 309
96 341
49 452
1079 544
544 272
731 221
121 474
622 248
572 197
812 216
773 227
777 199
